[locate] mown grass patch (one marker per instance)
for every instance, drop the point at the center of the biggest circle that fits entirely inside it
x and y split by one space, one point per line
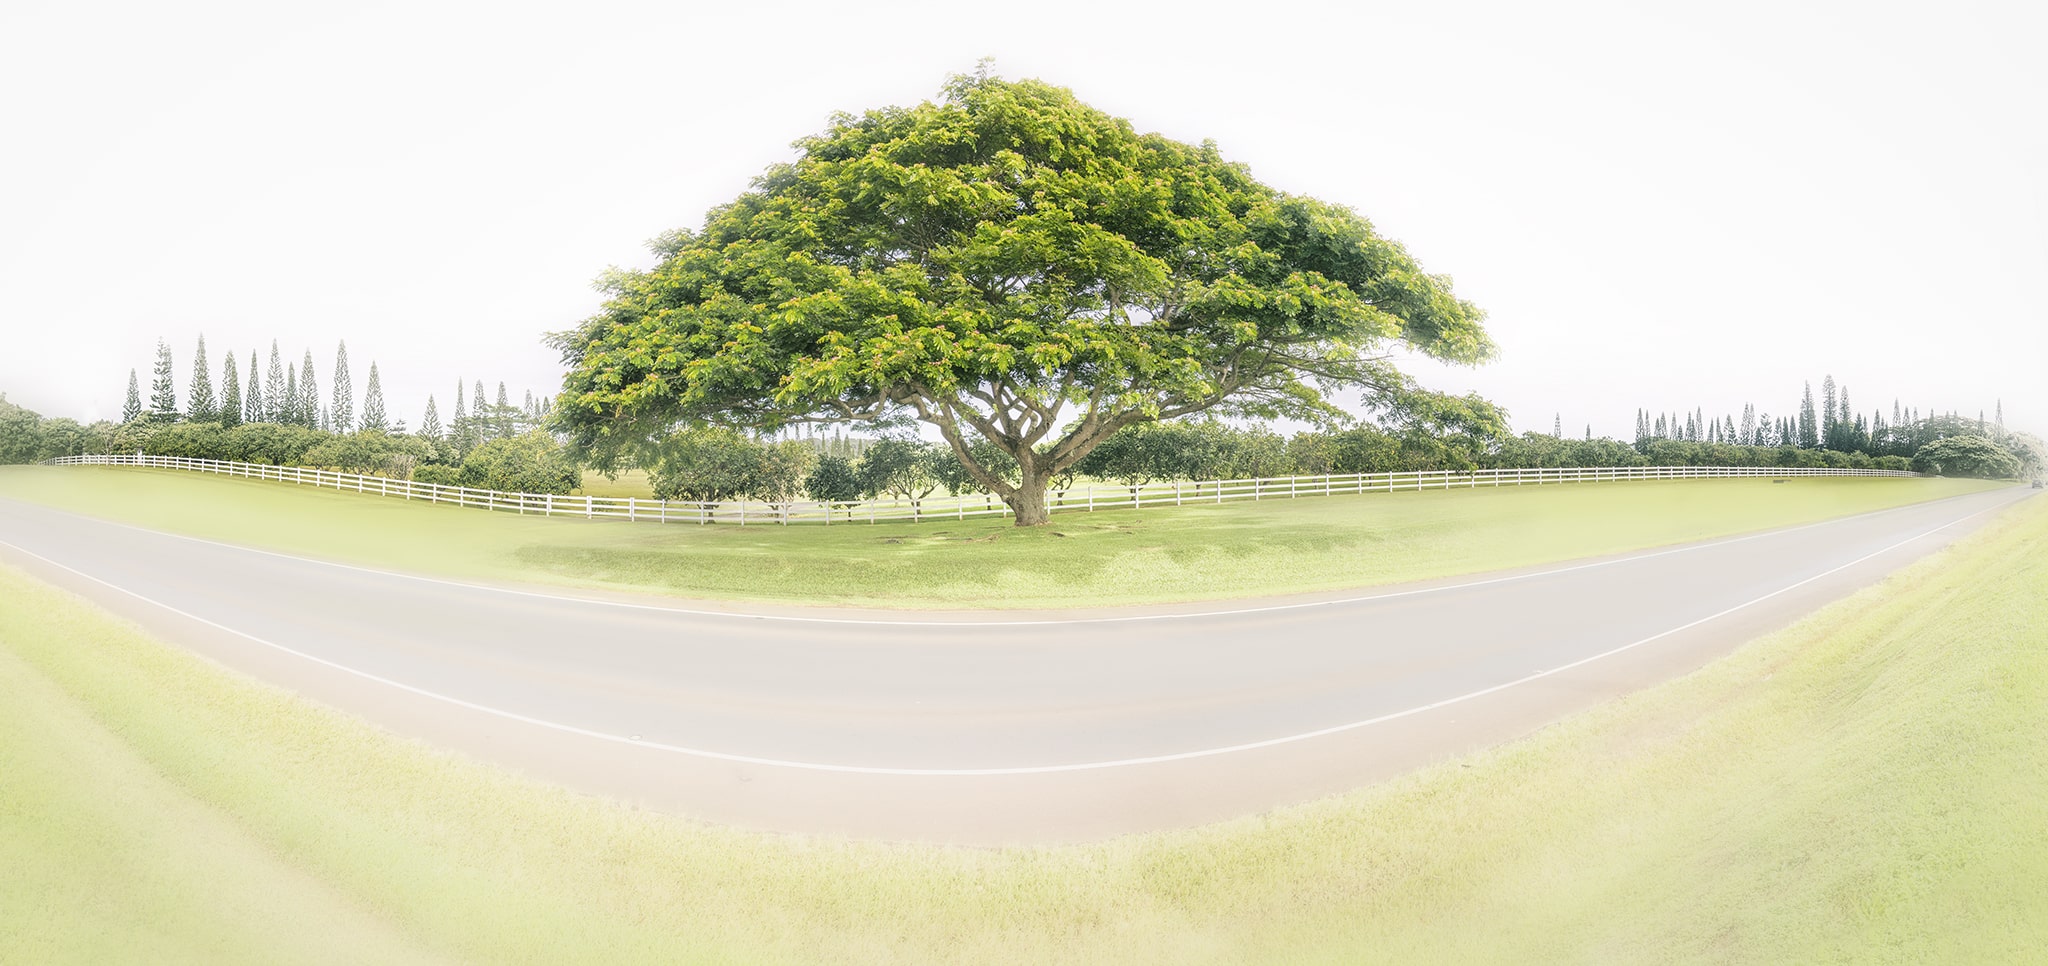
624 483
1081 559
1869 786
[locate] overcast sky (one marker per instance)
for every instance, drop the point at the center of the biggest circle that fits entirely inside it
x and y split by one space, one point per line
1700 207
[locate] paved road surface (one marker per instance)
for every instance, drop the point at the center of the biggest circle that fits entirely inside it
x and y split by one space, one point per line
960 728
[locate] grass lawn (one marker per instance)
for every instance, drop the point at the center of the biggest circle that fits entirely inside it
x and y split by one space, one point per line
1870 786
632 483
1081 559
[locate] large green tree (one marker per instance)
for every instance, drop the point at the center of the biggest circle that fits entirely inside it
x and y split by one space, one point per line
1006 264
1974 456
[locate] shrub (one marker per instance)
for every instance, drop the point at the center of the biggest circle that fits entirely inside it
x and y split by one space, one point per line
438 474
531 463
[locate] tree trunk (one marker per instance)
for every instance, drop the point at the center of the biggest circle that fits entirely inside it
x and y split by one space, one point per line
1028 503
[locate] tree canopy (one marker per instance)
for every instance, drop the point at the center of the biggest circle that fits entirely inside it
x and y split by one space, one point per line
1967 456
1008 265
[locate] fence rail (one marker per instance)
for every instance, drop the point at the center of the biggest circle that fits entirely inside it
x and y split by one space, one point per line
1093 496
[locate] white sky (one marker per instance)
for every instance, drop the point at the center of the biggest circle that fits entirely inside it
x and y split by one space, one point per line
1698 207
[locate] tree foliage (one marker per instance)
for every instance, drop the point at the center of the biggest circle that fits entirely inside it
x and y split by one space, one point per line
530 463
1009 264
1973 456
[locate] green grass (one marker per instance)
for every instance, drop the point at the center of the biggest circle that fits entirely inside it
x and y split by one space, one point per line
1870 786
1081 559
631 483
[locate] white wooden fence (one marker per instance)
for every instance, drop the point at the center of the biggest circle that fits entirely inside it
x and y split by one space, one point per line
1093 496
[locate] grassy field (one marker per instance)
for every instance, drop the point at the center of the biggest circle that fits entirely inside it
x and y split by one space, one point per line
1081 559
1870 786
632 483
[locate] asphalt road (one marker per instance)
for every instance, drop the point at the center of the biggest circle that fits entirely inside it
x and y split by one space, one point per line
964 728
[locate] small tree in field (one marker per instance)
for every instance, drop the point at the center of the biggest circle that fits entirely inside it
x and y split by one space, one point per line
833 482
704 465
530 463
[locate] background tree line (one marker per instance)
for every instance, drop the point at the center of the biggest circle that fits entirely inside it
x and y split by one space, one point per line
1831 423
278 417
491 442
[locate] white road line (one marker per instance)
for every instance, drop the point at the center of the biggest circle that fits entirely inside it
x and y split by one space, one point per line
981 772
1022 622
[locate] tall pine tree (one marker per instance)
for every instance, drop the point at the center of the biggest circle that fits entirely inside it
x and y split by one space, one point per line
252 397
202 407
373 403
230 392
1828 417
430 424
479 416
131 410
280 391
502 419
309 393
1809 422
344 407
163 397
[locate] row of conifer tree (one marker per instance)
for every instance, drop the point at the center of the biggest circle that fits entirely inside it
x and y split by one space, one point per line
1834 425
289 395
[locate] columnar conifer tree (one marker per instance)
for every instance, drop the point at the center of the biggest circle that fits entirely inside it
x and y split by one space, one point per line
131 410
430 424
201 407
163 397
309 393
280 391
373 403
479 415
1828 414
230 392
344 406
252 395
1809 422
504 414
